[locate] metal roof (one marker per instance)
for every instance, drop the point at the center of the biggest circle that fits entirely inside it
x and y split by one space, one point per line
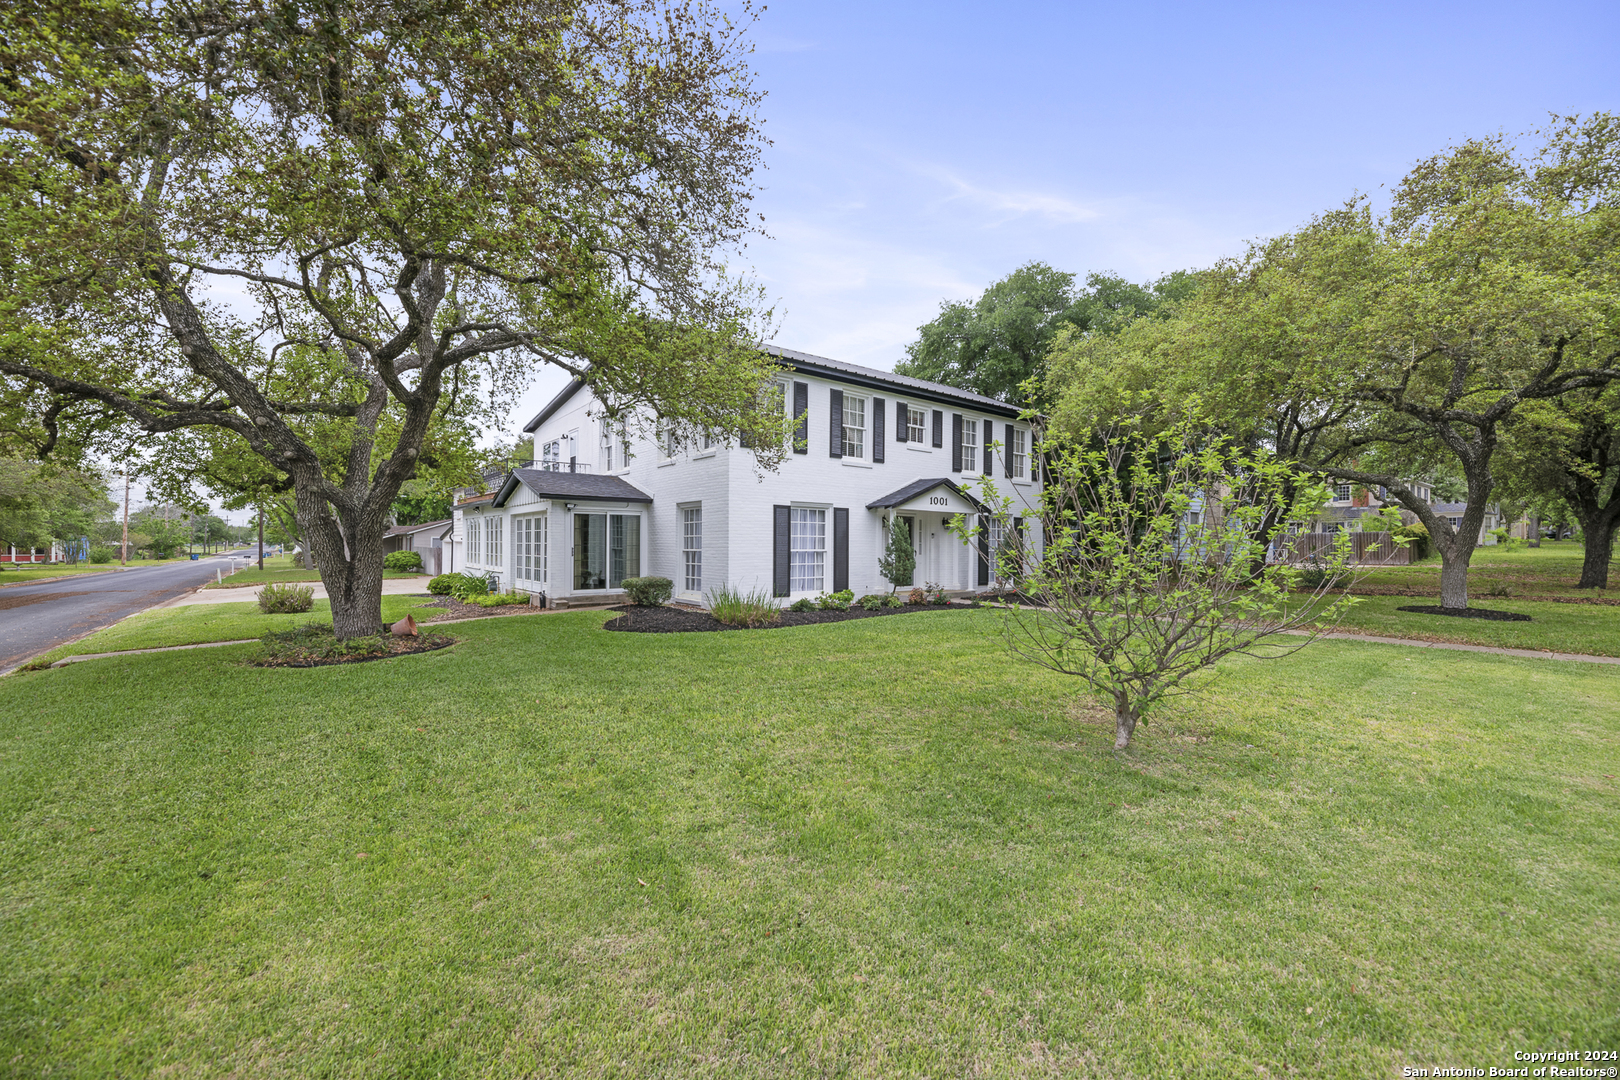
568 485
825 367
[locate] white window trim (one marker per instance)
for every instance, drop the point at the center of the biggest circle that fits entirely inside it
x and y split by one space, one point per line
920 442
865 429
682 509
641 565
826 550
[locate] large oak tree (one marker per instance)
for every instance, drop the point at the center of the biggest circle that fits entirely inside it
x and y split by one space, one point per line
272 218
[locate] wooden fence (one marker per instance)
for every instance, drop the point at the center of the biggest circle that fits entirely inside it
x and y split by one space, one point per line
1375 548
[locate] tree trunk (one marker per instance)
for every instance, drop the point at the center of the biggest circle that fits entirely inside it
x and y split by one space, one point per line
351 567
1535 530
1599 533
1125 717
1454 573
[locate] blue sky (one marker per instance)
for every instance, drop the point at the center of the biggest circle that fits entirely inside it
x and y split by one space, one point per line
921 151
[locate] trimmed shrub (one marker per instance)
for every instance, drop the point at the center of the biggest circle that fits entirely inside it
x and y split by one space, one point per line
499 599
873 601
101 554
403 560
803 603
916 596
286 599
444 584
648 591
744 610
838 601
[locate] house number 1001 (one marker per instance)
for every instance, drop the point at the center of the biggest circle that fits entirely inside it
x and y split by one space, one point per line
938 500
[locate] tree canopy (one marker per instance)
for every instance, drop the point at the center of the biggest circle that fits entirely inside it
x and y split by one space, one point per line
996 344
308 226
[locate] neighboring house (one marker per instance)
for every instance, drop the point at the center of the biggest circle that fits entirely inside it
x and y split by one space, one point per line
55 553
1453 512
427 540
1350 502
872 448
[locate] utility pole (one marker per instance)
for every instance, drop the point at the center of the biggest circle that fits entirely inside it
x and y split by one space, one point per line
124 550
261 539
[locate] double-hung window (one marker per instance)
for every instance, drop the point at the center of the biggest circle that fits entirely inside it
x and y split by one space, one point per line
854 426
1019 453
807 550
1341 492
692 547
607 446
915 421
970 445
668 443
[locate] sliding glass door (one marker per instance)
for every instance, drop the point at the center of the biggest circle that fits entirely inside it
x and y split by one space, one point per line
607 549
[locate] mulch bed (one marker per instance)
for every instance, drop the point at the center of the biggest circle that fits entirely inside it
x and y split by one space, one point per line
1466 613
396 646
455 609
670 620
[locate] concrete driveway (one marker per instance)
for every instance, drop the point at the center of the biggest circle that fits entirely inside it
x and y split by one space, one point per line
250 593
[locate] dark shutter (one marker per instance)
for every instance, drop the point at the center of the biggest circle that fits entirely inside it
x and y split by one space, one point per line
840 548
879 435
902 422
835 399
989 427
1007 451
801 410
984 551
956 442
939 429
782 563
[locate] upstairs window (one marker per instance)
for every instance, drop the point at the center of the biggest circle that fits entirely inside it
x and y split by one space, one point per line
854 426
970 445
1019 453
915 421
607 441
1341 492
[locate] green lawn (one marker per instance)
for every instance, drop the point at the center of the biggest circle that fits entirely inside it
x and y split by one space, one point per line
193 624
869 849
1550 570
1575 628
281 569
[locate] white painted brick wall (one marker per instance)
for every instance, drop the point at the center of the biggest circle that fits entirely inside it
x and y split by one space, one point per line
737 496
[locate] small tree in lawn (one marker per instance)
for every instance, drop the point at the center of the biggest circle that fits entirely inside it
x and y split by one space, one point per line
1147 575
899 559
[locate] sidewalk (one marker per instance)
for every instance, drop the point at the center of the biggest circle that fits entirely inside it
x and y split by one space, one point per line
248 594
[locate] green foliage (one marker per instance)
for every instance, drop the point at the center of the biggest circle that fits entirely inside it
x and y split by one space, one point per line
43 503
899 560
873 601
838 601
747 610
425 203
648 591
419 509
803 603
444 584
997 344
1132 597
100 554
314 644
403 560
286 599
505 599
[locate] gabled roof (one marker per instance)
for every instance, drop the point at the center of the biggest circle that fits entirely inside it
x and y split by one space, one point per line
554 404
567 485
402 530
919 487
902 385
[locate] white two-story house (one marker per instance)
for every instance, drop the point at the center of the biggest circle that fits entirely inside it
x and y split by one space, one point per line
871 448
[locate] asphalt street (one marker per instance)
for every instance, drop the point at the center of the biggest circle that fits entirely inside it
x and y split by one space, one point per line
41 615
